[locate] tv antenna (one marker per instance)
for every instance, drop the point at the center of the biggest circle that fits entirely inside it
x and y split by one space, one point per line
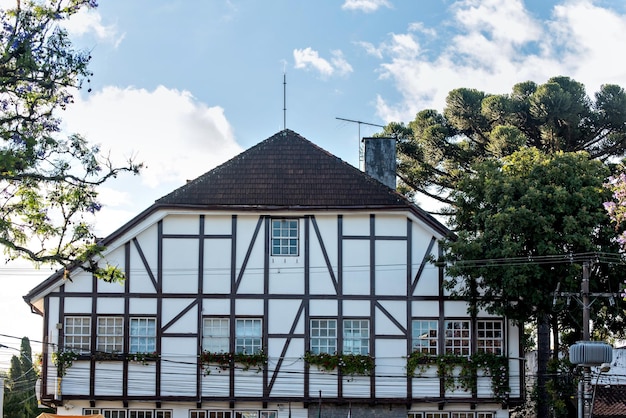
361 150
284 99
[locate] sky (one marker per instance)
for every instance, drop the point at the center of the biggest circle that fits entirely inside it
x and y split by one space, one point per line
184 85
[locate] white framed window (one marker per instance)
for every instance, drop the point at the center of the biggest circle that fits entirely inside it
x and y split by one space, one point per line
77 334
110 335
436 415
458 337
220 414
284 237
489 336
356 336
91 411
215 335
163 414
415 415
248 335
323 336
485 415
246 414
197 414
462 415
425 336
142 335
114 413
269 414
134 413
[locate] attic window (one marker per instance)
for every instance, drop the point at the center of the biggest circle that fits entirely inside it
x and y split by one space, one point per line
284 237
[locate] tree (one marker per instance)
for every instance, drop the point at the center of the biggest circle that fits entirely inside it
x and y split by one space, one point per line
524 224
20 399
435 149
48 179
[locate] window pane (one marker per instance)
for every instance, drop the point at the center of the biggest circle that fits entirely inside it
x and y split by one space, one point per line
425 336
323 336
457 336
215 335
110 334
490 336
355 336
248 336
142 335
284 237
77 336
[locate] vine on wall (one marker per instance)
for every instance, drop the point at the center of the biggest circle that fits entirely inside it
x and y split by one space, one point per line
348 364
225 360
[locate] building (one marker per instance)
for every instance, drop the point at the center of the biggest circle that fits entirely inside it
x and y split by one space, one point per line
284 282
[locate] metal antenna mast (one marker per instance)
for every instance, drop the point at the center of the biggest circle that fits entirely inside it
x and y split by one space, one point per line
284 99
359 123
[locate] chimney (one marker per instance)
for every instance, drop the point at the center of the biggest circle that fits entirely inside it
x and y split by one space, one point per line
380 160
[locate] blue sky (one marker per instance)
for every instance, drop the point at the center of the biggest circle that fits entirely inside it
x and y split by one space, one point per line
184 85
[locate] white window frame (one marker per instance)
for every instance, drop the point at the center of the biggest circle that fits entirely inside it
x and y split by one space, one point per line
91 411
220 414
268 414
197 413
140 413
458 337
246 414
142 335
78 342
490 336
163 413
114 413
216 334
356 336
485 415
425 336
110 334
323 336
461 414
248 335
285 236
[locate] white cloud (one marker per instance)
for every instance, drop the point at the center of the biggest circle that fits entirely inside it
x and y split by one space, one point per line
89 21
310 59
498 43
366 6
176 136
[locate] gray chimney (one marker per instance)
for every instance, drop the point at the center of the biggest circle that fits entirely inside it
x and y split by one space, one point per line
380 160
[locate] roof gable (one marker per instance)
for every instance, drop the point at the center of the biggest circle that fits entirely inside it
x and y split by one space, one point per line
285 171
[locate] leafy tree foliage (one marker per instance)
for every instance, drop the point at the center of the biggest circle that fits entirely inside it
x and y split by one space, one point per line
525 223
436 149
48 179
20 400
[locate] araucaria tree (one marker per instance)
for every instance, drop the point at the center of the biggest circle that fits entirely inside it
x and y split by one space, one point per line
48 178
20 400
520 178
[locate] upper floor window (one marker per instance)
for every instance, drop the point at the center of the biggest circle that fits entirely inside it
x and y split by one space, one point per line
77 336
457 334
284 237
110 334
139 414
356 336
489 336
425 336
142 335
323 336
215 335
248 336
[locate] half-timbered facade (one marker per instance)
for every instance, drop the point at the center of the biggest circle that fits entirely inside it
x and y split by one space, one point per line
283 283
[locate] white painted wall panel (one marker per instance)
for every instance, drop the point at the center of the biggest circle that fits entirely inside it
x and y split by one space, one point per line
286 275
356 224
323 308
216 383
140 281
327 226
178 366
425 309
356 308
80 282
390 268
357 386
248 307
385 326
356 277
282 314
110 305
391 225
181 224
172 307
77 305
455 308
142 306
248 383
114 287
390 368
290 378
216 307
217 224
324 382
108 378
217 266
180 266
141 379
76 379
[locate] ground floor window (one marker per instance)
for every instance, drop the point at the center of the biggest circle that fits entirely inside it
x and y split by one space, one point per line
129 413
452 414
